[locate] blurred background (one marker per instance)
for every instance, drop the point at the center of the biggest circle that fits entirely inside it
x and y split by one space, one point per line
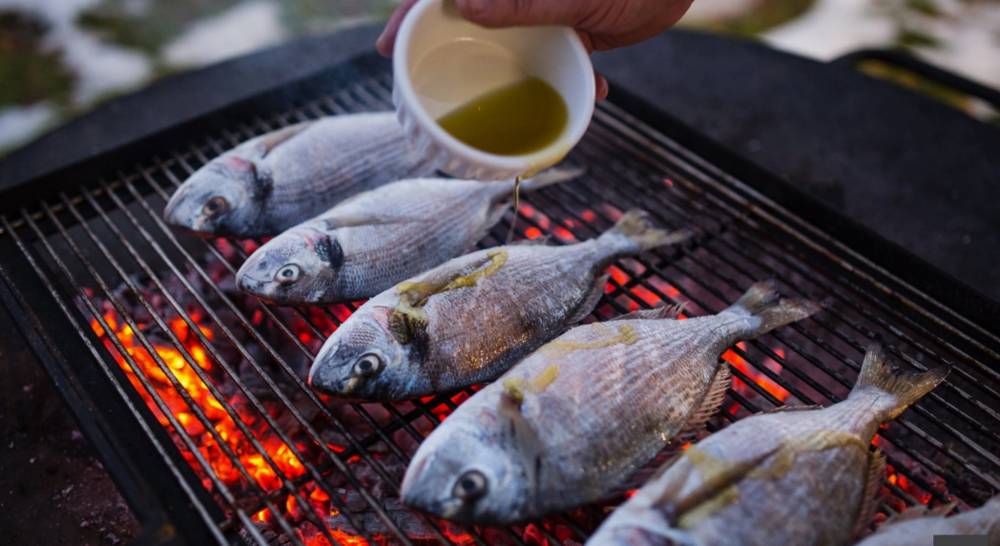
59 58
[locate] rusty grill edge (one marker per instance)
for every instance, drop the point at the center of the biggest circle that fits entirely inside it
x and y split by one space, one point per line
94 236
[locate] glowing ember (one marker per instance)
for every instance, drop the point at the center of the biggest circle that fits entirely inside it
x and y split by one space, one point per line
759 378
264 475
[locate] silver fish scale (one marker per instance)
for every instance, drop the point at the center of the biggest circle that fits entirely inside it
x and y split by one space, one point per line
918 531
475 331
442 219
829 481
364 151
611 408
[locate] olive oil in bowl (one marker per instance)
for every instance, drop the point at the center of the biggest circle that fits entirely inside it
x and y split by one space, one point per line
519 119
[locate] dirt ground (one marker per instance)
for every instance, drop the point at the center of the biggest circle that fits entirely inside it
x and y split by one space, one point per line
53 490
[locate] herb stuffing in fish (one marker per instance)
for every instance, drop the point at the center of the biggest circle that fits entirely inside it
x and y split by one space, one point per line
277 180
918 526
471 318
801 476
570 423
378 238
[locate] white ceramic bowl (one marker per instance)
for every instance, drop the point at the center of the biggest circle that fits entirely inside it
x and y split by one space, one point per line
441 61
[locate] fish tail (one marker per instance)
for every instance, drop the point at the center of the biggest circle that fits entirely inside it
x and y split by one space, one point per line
551 177
763 302
634 232
896 389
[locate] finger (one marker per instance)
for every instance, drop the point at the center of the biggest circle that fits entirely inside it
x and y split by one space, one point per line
501 13
602 87
387 39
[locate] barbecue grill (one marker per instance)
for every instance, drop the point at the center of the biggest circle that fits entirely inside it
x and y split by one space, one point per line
194 395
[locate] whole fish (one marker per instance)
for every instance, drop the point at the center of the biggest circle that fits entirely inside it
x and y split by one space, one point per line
801 476
277 180
574 420
378 238
471 318
918 526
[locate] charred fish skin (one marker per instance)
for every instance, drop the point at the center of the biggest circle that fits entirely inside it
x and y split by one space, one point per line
277 180
916 527
757 482
576 418
378 238
471 318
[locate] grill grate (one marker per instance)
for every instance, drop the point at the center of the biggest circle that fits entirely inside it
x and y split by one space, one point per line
272 472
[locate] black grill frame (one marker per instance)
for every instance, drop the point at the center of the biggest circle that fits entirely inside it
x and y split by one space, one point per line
106 405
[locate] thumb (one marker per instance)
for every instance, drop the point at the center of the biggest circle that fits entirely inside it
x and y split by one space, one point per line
502 13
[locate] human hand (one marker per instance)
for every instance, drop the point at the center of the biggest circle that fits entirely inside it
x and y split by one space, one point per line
602 24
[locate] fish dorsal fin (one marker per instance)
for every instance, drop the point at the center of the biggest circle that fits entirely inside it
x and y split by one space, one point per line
721 482
661 312
783 409
869 500
268 142
710 404
589 302
919 511
538 241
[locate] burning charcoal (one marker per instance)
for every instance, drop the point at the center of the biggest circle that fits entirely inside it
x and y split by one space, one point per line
353 502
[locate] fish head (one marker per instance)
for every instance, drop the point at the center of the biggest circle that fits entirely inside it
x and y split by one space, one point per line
224 197
470 471
299 266
363 359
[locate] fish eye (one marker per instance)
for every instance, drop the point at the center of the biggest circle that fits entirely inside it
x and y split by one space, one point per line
470 486
216 205
368 365
288 274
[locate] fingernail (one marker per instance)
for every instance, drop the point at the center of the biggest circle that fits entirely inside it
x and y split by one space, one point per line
381 45
602 88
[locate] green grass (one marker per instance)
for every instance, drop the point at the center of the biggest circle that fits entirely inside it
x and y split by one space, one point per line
765 15
29 72
936 91
150 30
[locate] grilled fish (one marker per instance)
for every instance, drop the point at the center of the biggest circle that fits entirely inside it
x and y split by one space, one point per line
378 238
469 319
574 420
917 527
277 180
802 476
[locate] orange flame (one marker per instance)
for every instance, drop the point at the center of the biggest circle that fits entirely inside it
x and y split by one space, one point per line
222 467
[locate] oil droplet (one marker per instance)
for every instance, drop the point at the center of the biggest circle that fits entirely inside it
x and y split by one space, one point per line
519 119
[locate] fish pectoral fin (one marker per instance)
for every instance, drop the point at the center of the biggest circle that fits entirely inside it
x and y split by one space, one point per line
518 430
588 303
662 312
268 142
873 483
715 484
710 404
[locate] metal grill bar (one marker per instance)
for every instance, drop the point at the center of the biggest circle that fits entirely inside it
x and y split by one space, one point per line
194 328
740 237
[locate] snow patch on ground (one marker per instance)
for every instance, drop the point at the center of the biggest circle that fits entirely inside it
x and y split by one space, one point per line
18 124
834 27
100 68
241 29
967 33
